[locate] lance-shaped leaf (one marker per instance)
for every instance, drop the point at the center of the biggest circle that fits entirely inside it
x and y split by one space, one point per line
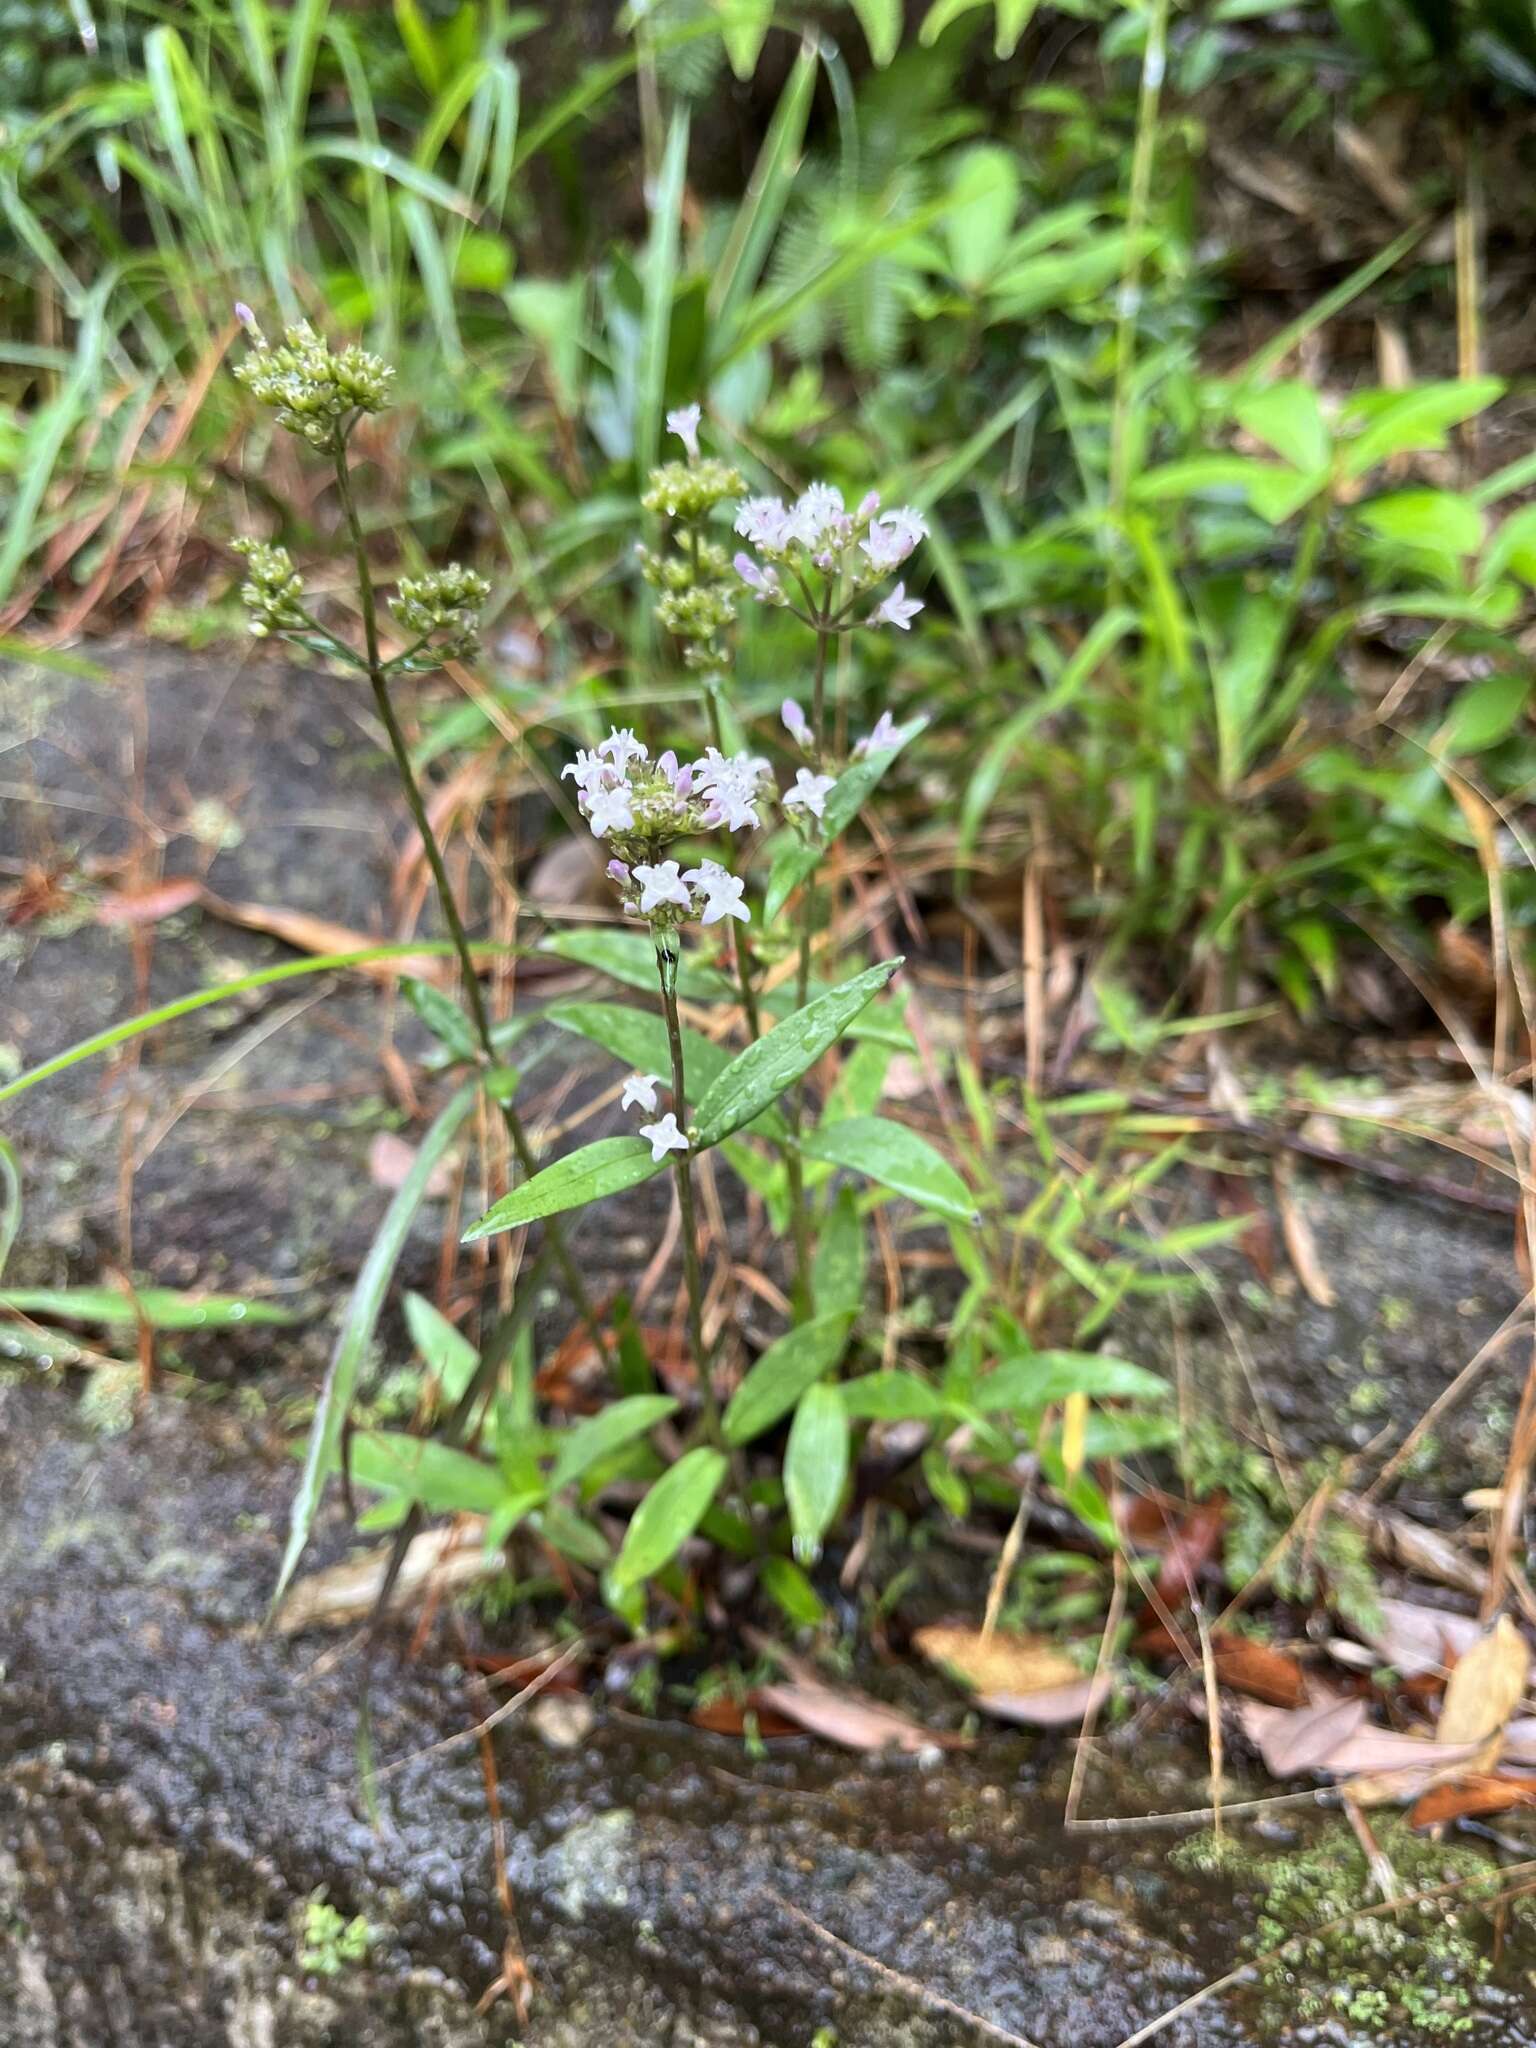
756 1077
639 1039
815 1469
600 1435
796 1361
897 1158
667 1517
845 800
630 957
605 1168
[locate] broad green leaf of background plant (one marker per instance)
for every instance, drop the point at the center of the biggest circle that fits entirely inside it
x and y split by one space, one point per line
1400 422
898 1159
841 1258
776 1382
605 1168
667 1517
442 1017
1287 418
815 1469
1485 713
443 1480
1443 520
639 1039
757 1077
985 184
894 1396
630 957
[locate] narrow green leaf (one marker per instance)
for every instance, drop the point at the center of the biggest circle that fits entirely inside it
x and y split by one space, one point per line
163 1308
639 1039
606 1168
445 1351
10 1201
792 1593
668 1516
1034 1379
442 1017
815 1469
881 23
443 1480
758 1076
893 1396
630 957
358 1326
898 1159
600 1435
842 1256
792 1363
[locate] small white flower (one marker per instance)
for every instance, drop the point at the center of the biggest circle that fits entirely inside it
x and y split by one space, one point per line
660 884
893 537
795 722
622 747
810 792
665 1137
886 733
588 771
818 516
763 582
720 890
897 610
640 1088
609 810
731 782
684 422
762 522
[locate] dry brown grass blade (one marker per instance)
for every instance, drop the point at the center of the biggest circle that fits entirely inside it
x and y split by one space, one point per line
307 933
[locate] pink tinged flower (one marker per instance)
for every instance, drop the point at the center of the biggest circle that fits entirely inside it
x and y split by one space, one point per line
795 722
664 1137
897 610
810 792
890 540
609 810
617 872
588 771
660 884
682 783
622 747
247 320
640 1088
869 504
684 422
719 891
818 515
886 733
667 765
764 583
762 522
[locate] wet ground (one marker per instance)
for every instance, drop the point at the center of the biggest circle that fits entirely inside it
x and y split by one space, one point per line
173 1786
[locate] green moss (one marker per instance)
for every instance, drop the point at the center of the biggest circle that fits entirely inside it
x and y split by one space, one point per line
1408 1974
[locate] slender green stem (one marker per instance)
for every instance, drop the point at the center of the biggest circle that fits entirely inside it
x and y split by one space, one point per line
739 954
798 1207
447 900
1143 158
682 1173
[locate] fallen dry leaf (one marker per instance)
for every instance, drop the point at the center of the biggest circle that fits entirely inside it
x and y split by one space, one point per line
1053 1706
726 1715
443 1560
1520 1740
1295 1740
1483 1793
1193 1545
848 1719
1414 1638
1486 1685
1260 1670
1004 1663
1300 1244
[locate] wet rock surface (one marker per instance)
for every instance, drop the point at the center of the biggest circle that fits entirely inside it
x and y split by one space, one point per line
173 1786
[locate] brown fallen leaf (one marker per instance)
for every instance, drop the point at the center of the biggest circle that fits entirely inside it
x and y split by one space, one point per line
1300 1244
309 934
1428 1552
727 1715
1295 1740
846 1718
1486 1792
1414 1638
148 906
445 1560
1486 1685
1261 1670
1193 1545
1053 1706
1007 1662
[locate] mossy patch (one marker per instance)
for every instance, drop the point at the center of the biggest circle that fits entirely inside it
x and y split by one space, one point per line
1404 1974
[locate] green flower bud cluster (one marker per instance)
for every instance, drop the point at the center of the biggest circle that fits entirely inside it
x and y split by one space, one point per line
315 390
691 490
443 606
273 592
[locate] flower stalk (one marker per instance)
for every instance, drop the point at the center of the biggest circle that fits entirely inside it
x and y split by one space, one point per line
682 1177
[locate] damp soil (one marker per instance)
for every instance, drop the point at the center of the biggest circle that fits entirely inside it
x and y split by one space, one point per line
174 1785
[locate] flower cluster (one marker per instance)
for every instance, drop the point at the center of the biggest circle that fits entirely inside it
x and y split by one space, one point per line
852 550
443 607
315 390
693 574
664 1134
273 592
